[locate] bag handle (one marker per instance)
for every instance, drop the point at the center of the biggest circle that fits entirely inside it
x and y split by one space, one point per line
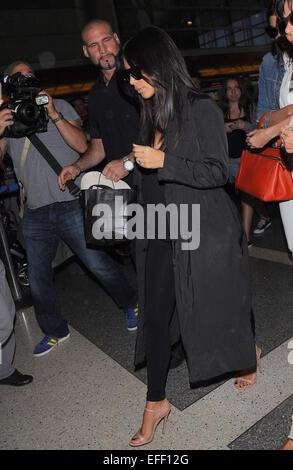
104 185
261 120
99 186
260 123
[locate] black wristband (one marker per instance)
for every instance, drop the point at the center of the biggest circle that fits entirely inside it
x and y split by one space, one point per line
58 118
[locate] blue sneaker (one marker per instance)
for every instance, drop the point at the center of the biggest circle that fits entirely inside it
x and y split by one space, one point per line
47 344
131 318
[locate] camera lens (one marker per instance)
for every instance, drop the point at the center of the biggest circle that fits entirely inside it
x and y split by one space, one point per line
28 112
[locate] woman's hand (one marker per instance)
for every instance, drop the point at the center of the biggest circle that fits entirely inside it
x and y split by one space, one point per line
239 124
287 139
259 138
229 127
148 157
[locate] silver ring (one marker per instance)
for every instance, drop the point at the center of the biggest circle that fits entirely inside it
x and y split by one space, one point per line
139 162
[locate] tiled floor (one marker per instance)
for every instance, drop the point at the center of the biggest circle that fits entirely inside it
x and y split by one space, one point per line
85 394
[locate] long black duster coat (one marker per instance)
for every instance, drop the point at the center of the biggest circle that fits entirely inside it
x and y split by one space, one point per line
212 284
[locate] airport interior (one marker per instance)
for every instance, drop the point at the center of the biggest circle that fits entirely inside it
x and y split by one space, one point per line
87 394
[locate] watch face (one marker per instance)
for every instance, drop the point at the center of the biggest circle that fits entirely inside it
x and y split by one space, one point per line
128 165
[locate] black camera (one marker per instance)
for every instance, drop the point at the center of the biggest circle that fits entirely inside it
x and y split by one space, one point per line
26 104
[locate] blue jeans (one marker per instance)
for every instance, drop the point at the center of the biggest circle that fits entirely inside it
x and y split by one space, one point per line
43 228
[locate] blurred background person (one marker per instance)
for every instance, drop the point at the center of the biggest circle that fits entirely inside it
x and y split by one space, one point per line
81 107
240 118
276 100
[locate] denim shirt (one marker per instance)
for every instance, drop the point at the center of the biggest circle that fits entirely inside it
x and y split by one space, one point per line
271 74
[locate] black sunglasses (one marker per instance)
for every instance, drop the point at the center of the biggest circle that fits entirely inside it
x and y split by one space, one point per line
133 72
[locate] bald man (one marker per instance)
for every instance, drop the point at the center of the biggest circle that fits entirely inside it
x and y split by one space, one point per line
114 121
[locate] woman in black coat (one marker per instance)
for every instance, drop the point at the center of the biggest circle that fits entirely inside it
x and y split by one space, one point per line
198 290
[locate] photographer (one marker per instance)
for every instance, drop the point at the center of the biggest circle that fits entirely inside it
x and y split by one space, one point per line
53 215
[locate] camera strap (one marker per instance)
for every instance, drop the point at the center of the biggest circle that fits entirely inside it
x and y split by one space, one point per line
51 160
22 196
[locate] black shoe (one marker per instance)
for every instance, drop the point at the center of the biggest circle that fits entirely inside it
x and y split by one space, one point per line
177 356
262 225
17 379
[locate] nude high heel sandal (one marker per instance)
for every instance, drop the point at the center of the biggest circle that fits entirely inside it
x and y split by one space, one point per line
158 415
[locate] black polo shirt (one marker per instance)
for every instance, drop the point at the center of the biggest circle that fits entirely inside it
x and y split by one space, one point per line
112 118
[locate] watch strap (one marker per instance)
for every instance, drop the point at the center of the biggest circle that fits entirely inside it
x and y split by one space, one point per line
58 118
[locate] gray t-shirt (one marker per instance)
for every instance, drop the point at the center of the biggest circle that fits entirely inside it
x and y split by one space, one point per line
39 180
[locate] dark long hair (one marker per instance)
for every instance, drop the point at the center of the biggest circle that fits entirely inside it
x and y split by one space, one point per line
280 7
279 44
244 101
282 42
154 52
271 11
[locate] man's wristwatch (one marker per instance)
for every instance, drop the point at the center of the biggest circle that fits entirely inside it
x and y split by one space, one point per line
58 118
128 164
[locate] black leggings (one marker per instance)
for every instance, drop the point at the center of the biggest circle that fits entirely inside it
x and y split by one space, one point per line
159 308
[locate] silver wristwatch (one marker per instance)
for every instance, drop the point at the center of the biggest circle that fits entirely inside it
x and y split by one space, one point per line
128 164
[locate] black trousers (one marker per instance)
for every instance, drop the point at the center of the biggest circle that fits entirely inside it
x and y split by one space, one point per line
159 308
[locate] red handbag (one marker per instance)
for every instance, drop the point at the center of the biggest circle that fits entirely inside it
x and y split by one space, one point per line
265 175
